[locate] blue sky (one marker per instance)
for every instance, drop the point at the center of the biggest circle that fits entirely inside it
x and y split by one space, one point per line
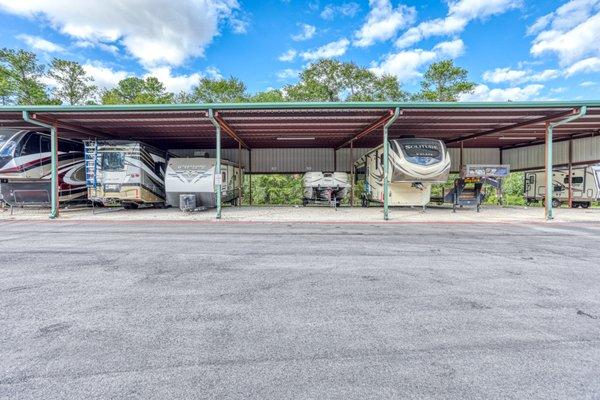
514 49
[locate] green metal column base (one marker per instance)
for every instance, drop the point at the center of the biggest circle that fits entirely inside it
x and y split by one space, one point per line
386 164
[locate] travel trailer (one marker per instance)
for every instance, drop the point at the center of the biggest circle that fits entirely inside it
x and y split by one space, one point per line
196 176
330 187
415 164
125 173
585 186
25 168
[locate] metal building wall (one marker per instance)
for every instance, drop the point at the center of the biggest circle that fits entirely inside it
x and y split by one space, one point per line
533 157
344 154
473 156
291 160
226 154
321 159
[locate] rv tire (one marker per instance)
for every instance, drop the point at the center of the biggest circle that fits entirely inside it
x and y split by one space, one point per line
585 205
555 203
130 206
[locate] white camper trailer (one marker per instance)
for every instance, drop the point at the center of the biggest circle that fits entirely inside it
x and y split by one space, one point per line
330 187
124 172
585 186
415 164
196 176
25 168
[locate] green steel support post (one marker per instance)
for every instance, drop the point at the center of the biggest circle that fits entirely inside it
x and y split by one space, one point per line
386 163
549 162
218 175
54 163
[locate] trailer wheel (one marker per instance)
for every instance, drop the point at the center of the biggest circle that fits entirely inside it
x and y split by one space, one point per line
130 206
576 205
159 205
585 205
555 203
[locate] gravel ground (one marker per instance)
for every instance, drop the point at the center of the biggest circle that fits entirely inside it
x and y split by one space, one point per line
172 310
324 214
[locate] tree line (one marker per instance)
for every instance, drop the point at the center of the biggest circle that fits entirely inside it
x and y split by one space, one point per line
25 80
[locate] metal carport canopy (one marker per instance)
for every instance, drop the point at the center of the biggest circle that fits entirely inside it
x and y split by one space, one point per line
320 125
314 125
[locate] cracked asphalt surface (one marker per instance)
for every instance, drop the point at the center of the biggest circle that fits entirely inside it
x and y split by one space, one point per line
161 310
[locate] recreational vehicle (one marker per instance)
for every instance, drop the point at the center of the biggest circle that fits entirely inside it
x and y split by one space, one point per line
415 164
25 168
585 186
127 173
196 176
330 187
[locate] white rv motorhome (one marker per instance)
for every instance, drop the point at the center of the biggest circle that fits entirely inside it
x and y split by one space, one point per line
25 168
124 172
197 176
585 186
329 187
415 164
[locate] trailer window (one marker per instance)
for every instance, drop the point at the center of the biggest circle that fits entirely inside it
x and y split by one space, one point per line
576 180
113 161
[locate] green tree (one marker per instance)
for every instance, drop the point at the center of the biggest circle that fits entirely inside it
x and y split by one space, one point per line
208 90
6 89
20 75
73 85
444 81
268 96
134 90
332 80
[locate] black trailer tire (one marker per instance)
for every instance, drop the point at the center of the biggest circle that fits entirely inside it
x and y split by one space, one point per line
576 205
585 205
556 203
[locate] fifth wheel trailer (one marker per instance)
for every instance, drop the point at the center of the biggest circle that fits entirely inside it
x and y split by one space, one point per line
585 187
415 164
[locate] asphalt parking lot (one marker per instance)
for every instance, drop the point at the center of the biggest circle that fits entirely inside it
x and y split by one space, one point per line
180 309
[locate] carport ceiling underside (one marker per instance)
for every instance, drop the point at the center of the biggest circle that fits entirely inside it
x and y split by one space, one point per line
323 125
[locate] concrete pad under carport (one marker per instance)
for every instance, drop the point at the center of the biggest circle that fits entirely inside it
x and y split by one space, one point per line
315 214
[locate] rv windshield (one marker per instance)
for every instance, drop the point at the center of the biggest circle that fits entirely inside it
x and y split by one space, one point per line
113 161
6 145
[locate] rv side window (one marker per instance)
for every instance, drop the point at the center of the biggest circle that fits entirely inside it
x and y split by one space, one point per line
45 144
576 180
113 161
32 146
531 179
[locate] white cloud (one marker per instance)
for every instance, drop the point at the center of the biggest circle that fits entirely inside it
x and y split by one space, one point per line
346 9
110 48
38 43
289 55
500 75
406 64
156 32
383 22
484 93
174 83
213 73
308 31
591 64
454 48
571 32
460 13
545 75
333 49
504 75
287 73
104 77
587 84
